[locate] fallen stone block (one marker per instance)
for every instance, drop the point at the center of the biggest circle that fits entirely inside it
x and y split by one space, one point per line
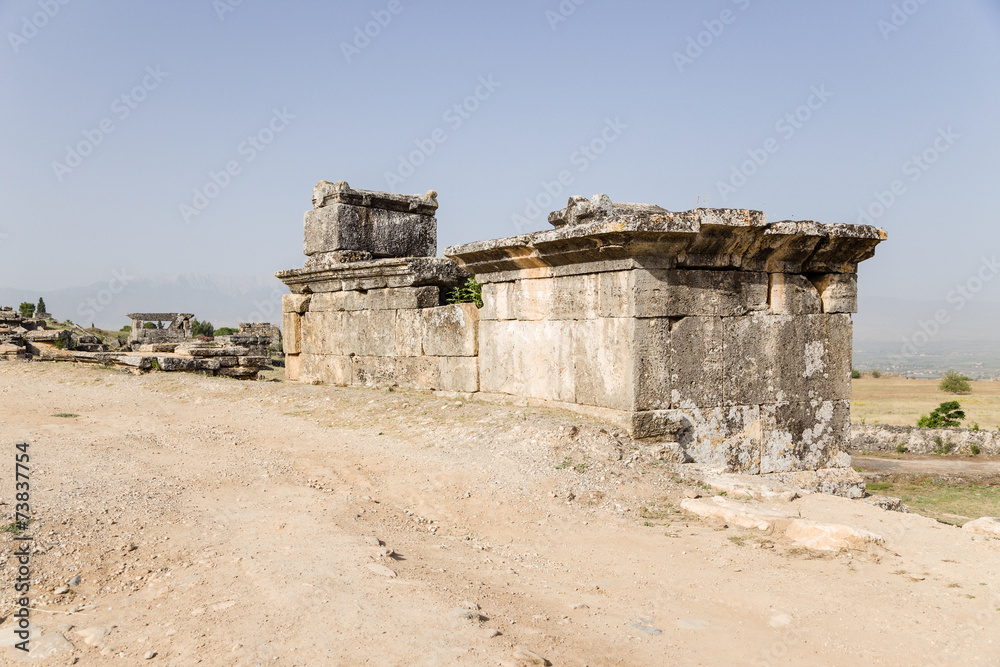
987 525
733 513
829 536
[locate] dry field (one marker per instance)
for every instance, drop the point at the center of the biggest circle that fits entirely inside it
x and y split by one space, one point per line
900 402
219 522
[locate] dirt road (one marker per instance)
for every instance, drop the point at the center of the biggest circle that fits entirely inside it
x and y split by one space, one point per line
220 522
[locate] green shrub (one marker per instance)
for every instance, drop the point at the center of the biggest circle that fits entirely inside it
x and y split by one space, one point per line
855 373
954 382
225 331
202 328
974 427
127 328
974 449
946 415
875 373
901 448
470 292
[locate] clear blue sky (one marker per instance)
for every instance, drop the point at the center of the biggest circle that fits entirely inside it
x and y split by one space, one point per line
680 127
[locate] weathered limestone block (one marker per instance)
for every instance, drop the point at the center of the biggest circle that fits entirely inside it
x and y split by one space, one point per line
176 363
801 436
785 358
321 333
366 333
792 294
677 293
533 359
291 322
696 369
409 333
405 372
451 331
498 302
459 373
295 303
602 369
293 367
839 292
330 368
378 231
649 366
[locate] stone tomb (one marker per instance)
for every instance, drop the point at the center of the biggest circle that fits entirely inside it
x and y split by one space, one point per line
711 328
367 309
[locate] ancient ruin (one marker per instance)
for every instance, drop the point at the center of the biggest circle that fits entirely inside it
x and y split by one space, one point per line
710 328
241 355
177 331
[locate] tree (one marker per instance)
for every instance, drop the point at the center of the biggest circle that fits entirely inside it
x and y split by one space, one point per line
26 309
41 306
150 325
946 415
225 331
954 382
202 328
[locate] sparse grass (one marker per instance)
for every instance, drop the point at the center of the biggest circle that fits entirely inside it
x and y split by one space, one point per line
737 540
942 499
14 528
565 463
900 402
65 414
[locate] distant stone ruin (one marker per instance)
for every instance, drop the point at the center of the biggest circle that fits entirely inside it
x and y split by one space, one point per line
710 328
178 330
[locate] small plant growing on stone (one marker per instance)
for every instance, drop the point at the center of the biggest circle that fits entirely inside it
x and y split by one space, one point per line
943 447
974 427
947 415
470 292
155 365
974 449
954 382
901 448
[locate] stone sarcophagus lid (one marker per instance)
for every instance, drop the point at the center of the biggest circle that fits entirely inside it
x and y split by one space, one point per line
712 328
355 225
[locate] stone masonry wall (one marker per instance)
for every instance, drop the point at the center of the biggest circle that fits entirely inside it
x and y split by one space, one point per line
393 336
743 371
883 438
